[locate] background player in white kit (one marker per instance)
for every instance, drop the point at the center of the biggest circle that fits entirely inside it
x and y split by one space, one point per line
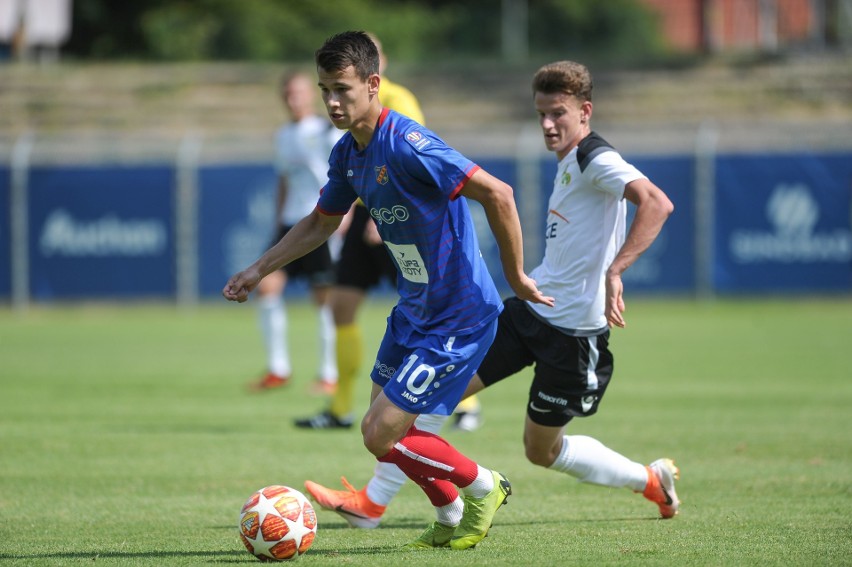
302 147
587 249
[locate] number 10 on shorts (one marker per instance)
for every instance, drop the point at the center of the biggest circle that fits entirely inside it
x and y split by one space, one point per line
414 375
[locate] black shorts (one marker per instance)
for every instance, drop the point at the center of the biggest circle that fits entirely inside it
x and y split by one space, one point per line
571 373
363 265
315 266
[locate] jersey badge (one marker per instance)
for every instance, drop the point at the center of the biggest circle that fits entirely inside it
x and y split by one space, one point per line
566 178
418 140
381 174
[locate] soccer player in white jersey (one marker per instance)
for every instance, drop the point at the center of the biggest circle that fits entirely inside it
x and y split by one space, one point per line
588 248
415 187
301 161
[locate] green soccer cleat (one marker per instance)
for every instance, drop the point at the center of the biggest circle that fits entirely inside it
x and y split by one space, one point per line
436 535
479 513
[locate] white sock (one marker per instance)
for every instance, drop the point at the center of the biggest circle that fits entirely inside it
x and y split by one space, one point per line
431 422
386 482
482 484
328 355
589 460
387 478
273 327
451 514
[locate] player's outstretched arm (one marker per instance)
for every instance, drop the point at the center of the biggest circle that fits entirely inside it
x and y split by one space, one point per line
307 235
653 207
498 202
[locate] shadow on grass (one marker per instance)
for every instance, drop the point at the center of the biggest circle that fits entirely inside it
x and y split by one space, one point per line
409 523
562 521
404 523
418 523
230 556
241 556
94 555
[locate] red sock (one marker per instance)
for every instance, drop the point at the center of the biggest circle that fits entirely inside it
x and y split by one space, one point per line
427 456
439 492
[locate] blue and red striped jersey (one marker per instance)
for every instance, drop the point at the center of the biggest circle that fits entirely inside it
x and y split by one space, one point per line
409 180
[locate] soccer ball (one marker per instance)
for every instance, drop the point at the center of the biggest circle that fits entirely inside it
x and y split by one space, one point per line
278 523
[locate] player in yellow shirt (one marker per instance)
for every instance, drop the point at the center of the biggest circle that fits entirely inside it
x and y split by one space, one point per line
396 97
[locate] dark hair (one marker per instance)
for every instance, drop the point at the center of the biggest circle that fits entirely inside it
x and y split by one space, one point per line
566 77
353 48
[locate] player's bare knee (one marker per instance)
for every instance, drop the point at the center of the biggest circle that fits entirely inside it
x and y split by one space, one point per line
538 456
374 441
378 446
541 454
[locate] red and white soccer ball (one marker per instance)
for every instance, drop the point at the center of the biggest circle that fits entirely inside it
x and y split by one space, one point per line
278 523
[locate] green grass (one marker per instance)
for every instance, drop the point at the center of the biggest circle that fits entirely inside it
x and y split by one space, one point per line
127 438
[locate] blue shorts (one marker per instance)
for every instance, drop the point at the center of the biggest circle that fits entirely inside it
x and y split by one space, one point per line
428 373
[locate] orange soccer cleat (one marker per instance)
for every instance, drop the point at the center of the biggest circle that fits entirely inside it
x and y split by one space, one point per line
353 505
660 489
269 382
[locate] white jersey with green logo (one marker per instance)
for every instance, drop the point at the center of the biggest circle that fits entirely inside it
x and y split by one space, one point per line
585 228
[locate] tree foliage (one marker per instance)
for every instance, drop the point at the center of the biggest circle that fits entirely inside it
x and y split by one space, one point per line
290 30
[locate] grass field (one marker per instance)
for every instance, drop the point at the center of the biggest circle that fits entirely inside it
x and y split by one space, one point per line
127 438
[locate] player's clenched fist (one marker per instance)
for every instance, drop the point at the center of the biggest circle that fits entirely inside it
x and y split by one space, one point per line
240 285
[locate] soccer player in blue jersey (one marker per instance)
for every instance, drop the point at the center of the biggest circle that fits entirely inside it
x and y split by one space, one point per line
415 188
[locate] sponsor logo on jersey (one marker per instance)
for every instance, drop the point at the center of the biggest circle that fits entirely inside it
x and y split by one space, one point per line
350 173
385 371
410 263
418 140
793 213
550 227
391 215
381 174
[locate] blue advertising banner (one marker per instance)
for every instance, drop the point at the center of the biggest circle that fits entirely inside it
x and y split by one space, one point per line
101 232
505 170
5 234
669 264
783 223
236 220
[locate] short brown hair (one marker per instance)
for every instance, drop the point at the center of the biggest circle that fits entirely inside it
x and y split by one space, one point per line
566 77
349 48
